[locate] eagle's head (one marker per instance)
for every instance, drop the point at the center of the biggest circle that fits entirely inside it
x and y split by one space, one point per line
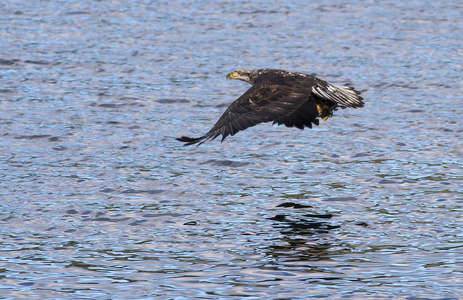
248 76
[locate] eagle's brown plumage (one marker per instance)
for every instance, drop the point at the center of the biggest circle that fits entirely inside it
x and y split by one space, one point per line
282 97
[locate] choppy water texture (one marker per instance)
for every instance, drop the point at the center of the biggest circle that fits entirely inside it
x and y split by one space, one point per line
98 200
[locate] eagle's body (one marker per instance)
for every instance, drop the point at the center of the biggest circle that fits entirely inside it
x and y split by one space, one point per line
282 97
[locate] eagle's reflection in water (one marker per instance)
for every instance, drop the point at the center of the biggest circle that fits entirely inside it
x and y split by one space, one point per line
306 237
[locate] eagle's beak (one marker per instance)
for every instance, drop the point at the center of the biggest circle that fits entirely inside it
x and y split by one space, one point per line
233 75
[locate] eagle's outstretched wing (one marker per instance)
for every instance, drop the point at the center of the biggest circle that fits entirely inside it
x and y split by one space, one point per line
261 103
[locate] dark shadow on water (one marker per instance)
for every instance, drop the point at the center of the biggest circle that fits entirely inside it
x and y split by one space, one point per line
302 223
308 224
306 236
225 163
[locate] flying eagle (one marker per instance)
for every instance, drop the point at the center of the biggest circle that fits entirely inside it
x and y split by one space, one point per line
284 97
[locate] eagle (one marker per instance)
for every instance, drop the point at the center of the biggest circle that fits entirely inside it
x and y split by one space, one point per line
282 97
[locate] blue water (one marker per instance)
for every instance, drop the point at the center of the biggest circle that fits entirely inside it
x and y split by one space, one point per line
99 201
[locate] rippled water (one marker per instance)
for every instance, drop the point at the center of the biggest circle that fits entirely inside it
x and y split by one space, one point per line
100 202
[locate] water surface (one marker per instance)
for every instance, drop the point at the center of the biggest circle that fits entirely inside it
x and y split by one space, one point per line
99 201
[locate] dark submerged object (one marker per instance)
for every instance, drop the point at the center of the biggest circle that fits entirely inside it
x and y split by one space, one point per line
284 97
